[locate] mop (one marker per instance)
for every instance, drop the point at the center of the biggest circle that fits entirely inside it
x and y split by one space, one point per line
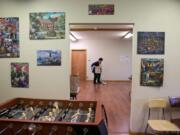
103 82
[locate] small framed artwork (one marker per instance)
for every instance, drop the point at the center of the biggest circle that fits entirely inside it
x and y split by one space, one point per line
101 9
47 25
150 42
152 72
9 37
48 57
20 75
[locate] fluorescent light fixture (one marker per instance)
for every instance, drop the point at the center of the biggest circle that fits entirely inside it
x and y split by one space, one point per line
123 33
78 35
128 35
73 38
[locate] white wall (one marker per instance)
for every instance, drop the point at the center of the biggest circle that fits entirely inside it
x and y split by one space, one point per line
53 82
117 55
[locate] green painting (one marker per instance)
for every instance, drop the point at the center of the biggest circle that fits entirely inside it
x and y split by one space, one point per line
47 25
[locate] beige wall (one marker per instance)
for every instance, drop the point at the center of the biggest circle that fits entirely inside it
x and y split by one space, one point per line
53 82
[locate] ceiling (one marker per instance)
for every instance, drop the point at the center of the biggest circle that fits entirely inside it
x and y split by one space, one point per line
100 31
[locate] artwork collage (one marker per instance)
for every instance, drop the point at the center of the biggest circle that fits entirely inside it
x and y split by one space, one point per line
43 25
51 25
152 69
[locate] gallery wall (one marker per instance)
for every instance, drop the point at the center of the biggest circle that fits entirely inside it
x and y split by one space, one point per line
44 81
116 66
53 82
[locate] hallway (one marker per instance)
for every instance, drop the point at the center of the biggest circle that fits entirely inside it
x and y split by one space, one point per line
115 97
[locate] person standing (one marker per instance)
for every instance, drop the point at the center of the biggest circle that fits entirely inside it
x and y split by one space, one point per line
97 70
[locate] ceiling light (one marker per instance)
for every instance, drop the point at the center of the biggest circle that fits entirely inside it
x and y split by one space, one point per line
123 33
73 38
77 34
128 35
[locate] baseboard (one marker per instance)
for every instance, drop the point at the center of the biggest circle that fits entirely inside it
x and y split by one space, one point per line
138 133
117 80
114 80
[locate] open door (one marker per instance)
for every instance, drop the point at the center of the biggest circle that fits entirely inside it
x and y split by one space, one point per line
78 64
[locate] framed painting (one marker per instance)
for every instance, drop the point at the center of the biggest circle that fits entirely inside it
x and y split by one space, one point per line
101 9
9 37
150 42
48 57
47 25
20 75
152 72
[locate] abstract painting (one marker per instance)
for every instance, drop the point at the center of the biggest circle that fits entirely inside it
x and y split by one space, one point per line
48 57
150 42
20 75
152 72
9 37
101 9
47 25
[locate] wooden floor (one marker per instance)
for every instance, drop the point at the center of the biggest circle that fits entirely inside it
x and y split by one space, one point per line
115 97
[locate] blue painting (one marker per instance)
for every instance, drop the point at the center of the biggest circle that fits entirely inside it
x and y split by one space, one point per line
48 57
9 37
152 72
150 42
47 25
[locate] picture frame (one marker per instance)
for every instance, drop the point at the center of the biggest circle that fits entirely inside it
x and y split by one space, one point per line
150 42
47 25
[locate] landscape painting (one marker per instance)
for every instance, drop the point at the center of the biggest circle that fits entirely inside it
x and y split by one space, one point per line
9 37
101 9
150 42
48 57
20 75
47 25
152 72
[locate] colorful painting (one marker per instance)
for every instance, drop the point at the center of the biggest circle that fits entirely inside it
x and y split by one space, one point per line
20 75
47 25
150 42
101 9
152 72
48 58
9 37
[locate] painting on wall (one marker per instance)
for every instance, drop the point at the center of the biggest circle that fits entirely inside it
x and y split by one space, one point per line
101 9
47 25
48 57
20 75
150 42
152 72
9 37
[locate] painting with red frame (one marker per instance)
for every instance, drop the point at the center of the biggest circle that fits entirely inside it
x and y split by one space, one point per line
101 9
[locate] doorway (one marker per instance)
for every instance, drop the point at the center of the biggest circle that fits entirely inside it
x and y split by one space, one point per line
78 63
116 70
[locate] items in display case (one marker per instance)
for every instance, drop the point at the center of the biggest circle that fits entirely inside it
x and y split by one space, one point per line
9 37
48 58
152 72
47 25
39 116
150 42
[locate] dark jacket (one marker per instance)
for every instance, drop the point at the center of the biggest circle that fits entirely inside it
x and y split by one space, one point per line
93 65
